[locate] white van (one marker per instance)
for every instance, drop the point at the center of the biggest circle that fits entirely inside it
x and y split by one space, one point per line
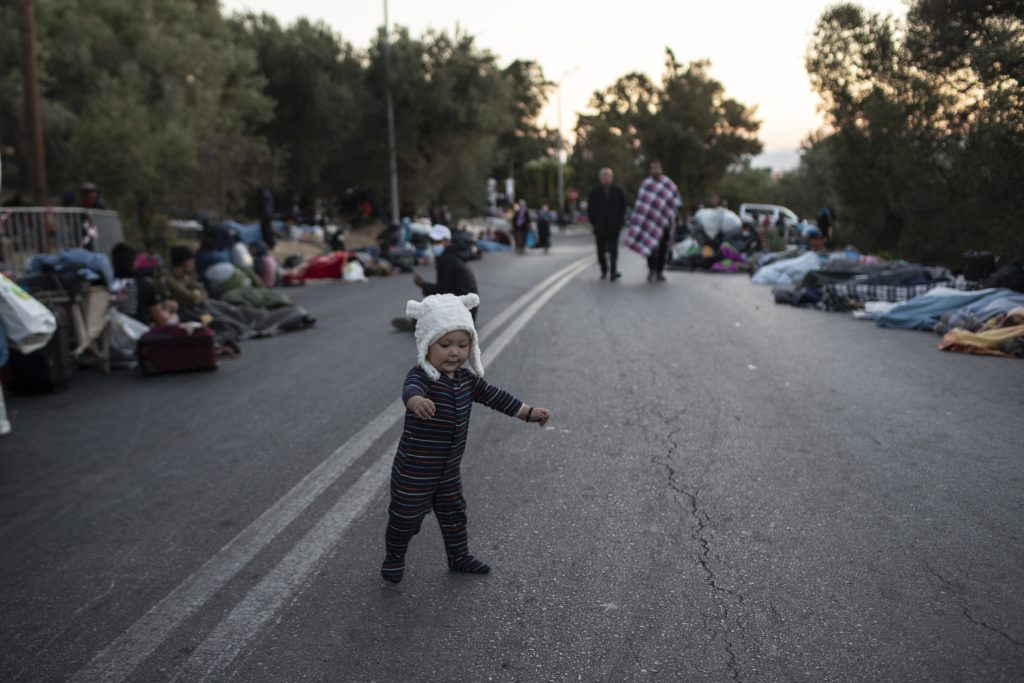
755 213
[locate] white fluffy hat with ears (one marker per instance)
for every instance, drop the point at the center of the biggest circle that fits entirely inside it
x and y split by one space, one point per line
436 316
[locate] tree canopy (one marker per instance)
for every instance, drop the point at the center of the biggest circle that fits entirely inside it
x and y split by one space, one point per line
173 109
686 122
926 121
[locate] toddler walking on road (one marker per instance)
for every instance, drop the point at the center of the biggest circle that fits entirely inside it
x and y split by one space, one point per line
439 394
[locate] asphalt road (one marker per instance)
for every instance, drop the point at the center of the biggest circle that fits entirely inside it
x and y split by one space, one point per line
728 490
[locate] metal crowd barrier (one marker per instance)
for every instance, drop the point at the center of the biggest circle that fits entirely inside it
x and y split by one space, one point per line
29 230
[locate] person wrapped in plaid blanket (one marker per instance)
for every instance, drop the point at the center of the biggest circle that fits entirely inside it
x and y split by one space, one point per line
652 220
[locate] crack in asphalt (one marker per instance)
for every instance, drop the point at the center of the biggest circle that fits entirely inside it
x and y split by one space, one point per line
981 623
964 607
701 519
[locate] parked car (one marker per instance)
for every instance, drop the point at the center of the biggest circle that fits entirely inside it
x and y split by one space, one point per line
755 213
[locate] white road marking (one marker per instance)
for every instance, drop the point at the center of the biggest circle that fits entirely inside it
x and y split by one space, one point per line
215 654
120 658
285 580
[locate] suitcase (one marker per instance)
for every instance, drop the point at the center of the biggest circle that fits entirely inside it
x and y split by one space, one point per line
978 265
170 348
45 369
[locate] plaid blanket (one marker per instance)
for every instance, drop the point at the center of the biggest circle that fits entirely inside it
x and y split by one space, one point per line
840 296
653 214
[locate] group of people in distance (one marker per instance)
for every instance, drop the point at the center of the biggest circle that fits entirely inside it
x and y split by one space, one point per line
651 221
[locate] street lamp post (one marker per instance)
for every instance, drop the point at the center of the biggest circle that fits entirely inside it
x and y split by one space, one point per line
561 157
392 155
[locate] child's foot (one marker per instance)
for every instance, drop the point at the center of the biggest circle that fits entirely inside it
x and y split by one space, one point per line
468 565
392 569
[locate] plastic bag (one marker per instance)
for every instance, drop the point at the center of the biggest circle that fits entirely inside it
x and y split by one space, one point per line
125 332
240 256
354 272
688 247
716 221
29 324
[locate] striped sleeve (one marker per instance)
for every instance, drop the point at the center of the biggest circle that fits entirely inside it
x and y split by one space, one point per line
496 398
416 384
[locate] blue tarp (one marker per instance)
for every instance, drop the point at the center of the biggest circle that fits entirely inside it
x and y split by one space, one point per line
90 265
925 311
248 232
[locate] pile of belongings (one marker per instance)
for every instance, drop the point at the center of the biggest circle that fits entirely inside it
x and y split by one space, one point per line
726 258
372 262
323 267
787 268
74 264
927 311
75 283
716 223
719 242
1000 335
848 281
226 268
847 284
350 266
987 321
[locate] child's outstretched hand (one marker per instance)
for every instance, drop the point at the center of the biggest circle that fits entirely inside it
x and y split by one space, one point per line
421 407
538 415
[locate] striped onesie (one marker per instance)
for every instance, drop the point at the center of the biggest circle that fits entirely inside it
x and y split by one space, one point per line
426 475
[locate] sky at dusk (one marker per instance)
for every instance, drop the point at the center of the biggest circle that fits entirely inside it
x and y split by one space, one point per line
756 48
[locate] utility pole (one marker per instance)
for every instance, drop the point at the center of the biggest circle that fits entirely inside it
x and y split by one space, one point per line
561 157
392 156
33 116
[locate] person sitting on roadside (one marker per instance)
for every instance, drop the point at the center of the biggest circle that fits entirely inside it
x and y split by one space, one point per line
179 282
136 295
264 263
218 273
453 273
148 260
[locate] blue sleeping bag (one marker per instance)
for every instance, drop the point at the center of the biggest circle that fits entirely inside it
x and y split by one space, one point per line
925 311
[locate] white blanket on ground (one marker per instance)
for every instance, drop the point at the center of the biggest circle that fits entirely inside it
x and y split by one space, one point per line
788 271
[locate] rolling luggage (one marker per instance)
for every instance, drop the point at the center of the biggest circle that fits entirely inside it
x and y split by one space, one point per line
47 368
172 348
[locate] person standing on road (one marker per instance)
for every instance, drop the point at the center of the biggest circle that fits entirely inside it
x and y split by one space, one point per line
521 226
453 273
544 228
825 224
606 208
439 394
652 221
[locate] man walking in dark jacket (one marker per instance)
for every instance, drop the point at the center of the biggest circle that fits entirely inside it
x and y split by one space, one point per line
606 207
453 275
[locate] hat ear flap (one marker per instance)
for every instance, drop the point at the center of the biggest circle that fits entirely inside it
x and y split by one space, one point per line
413 309
470 300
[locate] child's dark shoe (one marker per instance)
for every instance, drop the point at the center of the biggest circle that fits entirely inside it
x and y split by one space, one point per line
468 565
392 569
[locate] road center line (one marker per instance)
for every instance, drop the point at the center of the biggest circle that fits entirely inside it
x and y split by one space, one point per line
282 584
118 659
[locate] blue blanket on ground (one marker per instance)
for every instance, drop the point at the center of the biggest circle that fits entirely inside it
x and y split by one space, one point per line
90 265
925 311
